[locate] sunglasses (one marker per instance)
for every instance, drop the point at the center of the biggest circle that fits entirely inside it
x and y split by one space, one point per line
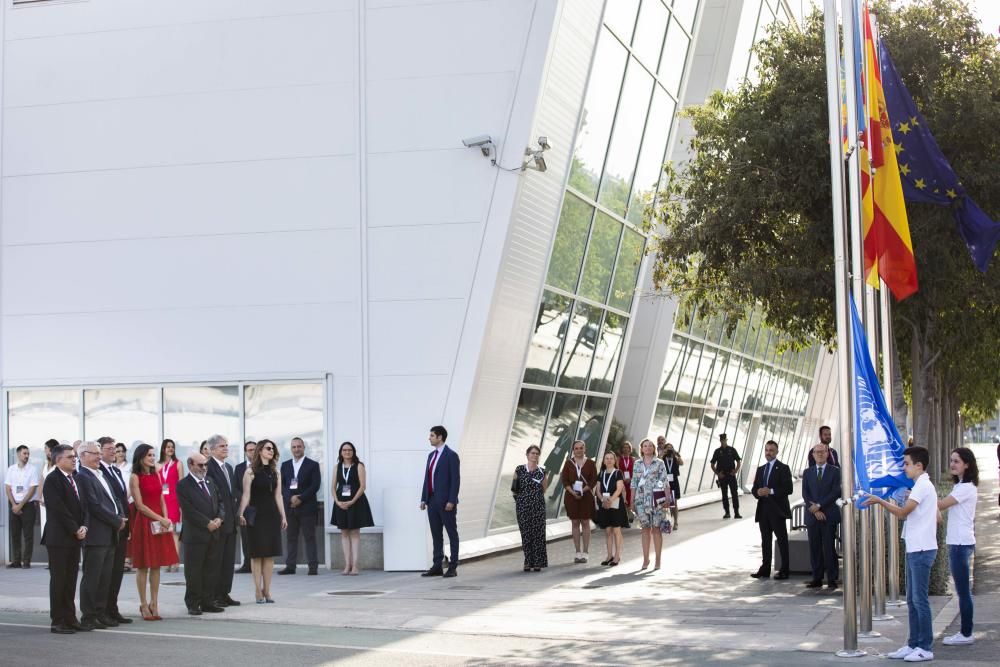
269 449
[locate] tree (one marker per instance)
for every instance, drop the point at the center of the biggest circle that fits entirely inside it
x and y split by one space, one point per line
747 222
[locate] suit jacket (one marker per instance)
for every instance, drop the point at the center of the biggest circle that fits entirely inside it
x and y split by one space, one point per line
64 511
103 516
121 494
225 483
241 469
833 459
825 492
198 510
446 477
309 481
776 505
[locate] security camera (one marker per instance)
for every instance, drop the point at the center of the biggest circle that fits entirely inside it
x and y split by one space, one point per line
481 140
543 143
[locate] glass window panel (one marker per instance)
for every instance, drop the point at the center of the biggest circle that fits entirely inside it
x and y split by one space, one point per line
675 430
570 243
529 421
685 11
608 353
624 149
281 412
550 330
672 368
674 55
127 415
689 372
661 421
584 330
37 415
649 31
714 385
654 145
760 349
619 15
595 413
699 325
709 359
743 42
193 414
560 432
598 114
728 339
600 258
627 270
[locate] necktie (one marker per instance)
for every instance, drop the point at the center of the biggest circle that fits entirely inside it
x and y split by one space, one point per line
767 474
73 484
204 488
819 473
430 472
118 475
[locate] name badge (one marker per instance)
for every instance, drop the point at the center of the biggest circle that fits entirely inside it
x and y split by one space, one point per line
166 490
606 495
578 486
628 475
294 483
670 478
19 489
345 490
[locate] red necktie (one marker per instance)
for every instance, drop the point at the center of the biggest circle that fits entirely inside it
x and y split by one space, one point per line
73 484
430 472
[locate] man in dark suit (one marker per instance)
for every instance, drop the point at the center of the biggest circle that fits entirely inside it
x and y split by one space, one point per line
826 437
113 476
202 512
820 491
104 520
221 473
300 482
440 498
64 532
249 447
771 487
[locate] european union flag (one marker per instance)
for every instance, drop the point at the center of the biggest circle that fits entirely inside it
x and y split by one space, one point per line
927 177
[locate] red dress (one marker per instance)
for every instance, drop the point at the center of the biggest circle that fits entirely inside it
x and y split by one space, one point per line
144 548
169 476
625 465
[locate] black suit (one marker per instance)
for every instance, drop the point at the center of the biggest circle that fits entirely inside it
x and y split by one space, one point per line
225 484
201 546
65 516
772 511
825 492
302 518
241 469
104 519
113 476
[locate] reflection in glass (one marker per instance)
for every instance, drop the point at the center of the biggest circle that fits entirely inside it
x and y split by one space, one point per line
661 420
685 11
193 414
608 353
598 114
570 242
600 258
620 17
529 420
560 432
581 342
595 412
674 55
550 330
35 416
689 372
281 412
676 356
654 145
624 149
627 270
127 415
649 32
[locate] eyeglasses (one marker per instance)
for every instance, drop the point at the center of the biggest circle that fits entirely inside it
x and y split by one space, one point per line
269 449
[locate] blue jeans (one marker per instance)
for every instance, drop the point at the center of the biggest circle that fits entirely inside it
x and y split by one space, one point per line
958 557
918 582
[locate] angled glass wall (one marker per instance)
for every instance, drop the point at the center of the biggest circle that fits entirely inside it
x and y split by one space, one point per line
574 354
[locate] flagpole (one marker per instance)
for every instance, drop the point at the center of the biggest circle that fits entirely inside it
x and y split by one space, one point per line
887 382
844 349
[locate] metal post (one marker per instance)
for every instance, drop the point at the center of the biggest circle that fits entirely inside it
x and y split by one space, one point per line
878 513
844 364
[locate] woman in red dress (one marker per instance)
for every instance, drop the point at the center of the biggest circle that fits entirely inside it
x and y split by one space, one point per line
170 471
150 546
625 464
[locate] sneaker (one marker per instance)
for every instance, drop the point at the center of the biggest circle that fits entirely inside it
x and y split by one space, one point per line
583 557
901 652
919 655
958 639
578 558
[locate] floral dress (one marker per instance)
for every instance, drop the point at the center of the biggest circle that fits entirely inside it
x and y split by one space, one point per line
530 504
646 479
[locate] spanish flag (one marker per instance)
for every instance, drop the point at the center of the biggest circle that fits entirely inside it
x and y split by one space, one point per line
887 245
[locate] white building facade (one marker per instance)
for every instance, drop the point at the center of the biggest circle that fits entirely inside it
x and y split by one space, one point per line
258 218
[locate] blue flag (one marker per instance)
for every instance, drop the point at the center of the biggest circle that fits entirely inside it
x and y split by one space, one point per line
878 449
926 174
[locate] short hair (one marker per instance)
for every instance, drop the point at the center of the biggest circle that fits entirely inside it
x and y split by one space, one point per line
723 436
247 444
441 432
820 444
918 455
86 445
190 461
59 450
105 439
297 438
215 441
19 448
972 470
772 442
530 447
120 445
824 428
51 443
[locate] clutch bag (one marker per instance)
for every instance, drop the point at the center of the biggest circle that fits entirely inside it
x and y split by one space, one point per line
659 498
250 514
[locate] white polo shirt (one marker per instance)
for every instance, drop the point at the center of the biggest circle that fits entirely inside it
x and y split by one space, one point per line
21 479
920 527
961 517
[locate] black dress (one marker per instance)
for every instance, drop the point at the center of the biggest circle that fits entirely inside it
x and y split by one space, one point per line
613 517
264 536
530 505
358 515
673 469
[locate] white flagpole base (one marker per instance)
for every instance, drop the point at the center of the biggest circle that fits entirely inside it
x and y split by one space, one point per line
856 653
883 617
871 634
895 603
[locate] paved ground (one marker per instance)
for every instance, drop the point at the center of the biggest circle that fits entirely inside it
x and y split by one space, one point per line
701 608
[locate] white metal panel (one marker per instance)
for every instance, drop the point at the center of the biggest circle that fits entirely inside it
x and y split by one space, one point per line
414 337
403 409
422 262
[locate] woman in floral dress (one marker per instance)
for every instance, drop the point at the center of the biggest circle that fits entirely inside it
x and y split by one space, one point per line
649 475
530 504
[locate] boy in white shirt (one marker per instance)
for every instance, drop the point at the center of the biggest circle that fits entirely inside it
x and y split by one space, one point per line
920 533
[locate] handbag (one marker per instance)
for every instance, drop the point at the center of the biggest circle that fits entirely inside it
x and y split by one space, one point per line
515 485
666 527
250 514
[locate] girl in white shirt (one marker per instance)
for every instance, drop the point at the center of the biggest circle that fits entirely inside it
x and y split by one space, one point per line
961 535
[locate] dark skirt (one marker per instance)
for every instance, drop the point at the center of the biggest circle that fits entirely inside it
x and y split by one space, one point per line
358 515
612 518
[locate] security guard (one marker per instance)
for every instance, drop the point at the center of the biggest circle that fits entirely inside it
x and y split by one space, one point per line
726 464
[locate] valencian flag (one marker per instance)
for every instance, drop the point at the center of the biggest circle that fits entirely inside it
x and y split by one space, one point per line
927 175
878 447
887 246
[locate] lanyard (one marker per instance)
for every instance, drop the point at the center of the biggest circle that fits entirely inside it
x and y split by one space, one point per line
345 471
606 479
164 470
579 469
669 466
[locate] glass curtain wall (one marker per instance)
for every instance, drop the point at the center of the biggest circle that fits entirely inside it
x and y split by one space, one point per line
584 313
756 18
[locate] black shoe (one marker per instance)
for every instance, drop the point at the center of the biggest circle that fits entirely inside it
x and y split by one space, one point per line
607 562
14 566
75 625
286 571
781 575
194 611
452 572
26 566
108 621
62 630
87 626
313 571
831 586
243 570
221 602
759 574
116 615
211 609
433 572
738 515
726 515
814 584
230 602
